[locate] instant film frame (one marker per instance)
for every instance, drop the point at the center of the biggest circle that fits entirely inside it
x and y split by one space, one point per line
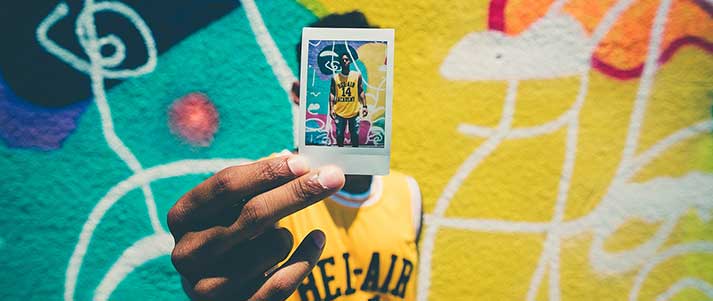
317 128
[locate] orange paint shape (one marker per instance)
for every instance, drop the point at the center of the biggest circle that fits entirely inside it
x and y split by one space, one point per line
623 50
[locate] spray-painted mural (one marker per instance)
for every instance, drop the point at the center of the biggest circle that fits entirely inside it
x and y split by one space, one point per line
564 148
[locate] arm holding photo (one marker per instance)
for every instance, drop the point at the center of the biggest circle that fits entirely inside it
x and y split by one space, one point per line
332 99
362 98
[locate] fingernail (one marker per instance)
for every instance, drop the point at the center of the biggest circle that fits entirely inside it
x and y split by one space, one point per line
271 270
330 177
298 165
318 239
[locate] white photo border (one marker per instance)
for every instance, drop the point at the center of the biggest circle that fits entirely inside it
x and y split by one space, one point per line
356 161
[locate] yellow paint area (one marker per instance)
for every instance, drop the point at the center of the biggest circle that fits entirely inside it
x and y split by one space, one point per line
603 127
682 95
541 101
630 235
519 180
698 265
373 56
315 7
511 262
672 106
578 279
515 182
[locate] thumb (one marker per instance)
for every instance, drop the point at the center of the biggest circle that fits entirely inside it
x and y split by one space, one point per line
285 280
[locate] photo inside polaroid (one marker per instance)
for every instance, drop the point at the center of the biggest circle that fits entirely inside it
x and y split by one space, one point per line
346 103
345 98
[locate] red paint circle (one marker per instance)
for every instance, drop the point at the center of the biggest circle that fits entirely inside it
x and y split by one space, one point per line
194 119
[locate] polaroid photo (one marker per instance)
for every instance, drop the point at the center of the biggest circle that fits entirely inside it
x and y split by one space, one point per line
346 91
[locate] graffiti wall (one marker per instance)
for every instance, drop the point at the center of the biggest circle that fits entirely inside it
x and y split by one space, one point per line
564 148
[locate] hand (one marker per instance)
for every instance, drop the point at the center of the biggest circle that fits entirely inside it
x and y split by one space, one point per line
225 235
364 112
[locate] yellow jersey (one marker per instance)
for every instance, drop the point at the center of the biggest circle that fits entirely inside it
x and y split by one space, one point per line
346 92
370 251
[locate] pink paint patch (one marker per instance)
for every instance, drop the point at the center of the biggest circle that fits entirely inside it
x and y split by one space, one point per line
364 128
194 118
496 15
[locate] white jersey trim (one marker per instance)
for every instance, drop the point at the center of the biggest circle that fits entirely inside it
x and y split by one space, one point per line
416 202
371 196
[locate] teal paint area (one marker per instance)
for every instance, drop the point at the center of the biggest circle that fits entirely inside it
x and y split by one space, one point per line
48 196
122 225
225 63
156 280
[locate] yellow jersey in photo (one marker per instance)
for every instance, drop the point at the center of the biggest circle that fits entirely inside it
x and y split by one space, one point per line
346 92
370 251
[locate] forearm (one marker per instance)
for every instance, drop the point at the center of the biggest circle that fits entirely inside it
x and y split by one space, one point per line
362 95
332 99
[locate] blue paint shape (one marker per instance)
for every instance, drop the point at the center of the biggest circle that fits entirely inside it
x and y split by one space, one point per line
25 125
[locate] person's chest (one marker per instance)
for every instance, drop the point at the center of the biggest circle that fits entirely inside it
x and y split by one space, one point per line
370 253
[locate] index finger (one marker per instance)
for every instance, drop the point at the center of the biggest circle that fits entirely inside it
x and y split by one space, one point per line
268 208
232 186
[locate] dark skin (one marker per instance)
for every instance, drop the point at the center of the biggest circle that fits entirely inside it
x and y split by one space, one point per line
225 235
225 238
345 62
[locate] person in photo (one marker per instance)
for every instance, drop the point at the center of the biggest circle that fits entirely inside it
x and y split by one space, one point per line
346 100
